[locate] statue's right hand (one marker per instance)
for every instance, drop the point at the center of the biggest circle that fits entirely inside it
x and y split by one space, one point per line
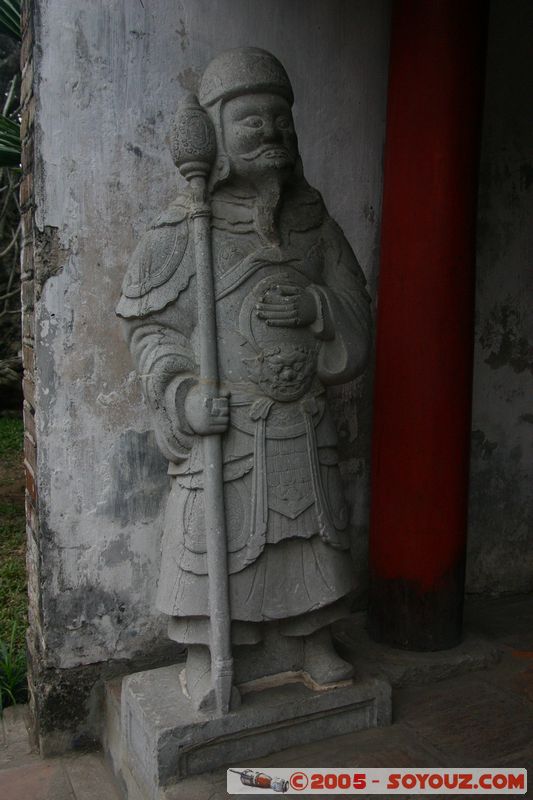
205 414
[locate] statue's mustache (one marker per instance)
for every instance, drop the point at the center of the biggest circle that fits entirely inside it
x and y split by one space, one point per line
279 149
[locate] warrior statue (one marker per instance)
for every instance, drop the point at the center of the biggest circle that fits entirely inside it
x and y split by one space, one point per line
292 319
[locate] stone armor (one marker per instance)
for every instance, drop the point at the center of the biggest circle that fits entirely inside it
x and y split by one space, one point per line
287 519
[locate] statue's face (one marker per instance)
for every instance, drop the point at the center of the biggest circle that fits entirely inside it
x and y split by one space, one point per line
259 134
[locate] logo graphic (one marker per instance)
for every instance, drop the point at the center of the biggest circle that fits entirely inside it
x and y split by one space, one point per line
261 780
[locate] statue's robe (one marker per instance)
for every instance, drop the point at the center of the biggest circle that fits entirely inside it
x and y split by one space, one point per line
287 520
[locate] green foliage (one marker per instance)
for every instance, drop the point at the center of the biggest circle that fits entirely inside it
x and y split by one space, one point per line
9 128
13 595
13 599
9 143
10 18
11 437
13 685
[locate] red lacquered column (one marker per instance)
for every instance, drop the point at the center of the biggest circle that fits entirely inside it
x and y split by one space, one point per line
425 323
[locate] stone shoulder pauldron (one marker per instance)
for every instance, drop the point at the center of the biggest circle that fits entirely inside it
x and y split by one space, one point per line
161 266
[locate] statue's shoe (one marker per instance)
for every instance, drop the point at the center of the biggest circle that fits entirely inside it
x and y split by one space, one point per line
199 686
322 662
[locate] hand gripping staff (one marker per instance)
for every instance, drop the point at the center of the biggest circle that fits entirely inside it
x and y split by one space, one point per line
194 150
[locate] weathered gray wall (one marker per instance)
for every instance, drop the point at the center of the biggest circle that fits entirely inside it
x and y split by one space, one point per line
500 555
108 78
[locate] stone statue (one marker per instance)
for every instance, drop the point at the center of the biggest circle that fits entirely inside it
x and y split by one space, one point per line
292 318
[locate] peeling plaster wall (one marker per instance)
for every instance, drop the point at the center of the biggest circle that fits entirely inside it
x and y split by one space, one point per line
109 74
500 557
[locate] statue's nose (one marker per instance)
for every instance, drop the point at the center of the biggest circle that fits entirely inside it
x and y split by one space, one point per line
270 131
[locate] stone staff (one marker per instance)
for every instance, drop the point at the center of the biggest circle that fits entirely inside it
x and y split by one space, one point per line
194 148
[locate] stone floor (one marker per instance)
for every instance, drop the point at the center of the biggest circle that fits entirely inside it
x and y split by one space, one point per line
479 718
25 776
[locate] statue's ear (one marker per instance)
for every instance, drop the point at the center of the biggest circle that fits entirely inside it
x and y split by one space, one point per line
220 172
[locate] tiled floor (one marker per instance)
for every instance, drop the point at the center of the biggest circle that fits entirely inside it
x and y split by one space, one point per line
25 776
481 718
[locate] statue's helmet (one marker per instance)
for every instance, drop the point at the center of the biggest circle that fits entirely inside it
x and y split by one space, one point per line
245 70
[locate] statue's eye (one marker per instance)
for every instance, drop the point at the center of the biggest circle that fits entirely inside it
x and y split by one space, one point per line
252 122
283 123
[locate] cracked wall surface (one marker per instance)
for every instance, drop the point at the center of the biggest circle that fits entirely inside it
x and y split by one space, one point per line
500 548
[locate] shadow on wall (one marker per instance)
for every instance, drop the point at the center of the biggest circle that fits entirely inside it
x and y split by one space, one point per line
139 483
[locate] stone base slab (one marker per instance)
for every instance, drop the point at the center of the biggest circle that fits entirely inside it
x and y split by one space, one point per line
164 740
406 667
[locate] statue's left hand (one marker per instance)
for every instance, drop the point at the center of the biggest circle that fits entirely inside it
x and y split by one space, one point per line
296 308
205 414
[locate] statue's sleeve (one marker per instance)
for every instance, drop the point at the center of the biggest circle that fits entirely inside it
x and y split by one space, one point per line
166 367
158 316
344 320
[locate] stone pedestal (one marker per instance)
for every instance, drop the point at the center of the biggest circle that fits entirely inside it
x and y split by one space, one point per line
163 740
407 668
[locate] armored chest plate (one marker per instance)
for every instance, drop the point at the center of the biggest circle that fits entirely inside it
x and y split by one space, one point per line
283 366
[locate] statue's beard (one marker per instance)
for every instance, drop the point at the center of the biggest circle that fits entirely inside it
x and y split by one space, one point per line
268 169
268 204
